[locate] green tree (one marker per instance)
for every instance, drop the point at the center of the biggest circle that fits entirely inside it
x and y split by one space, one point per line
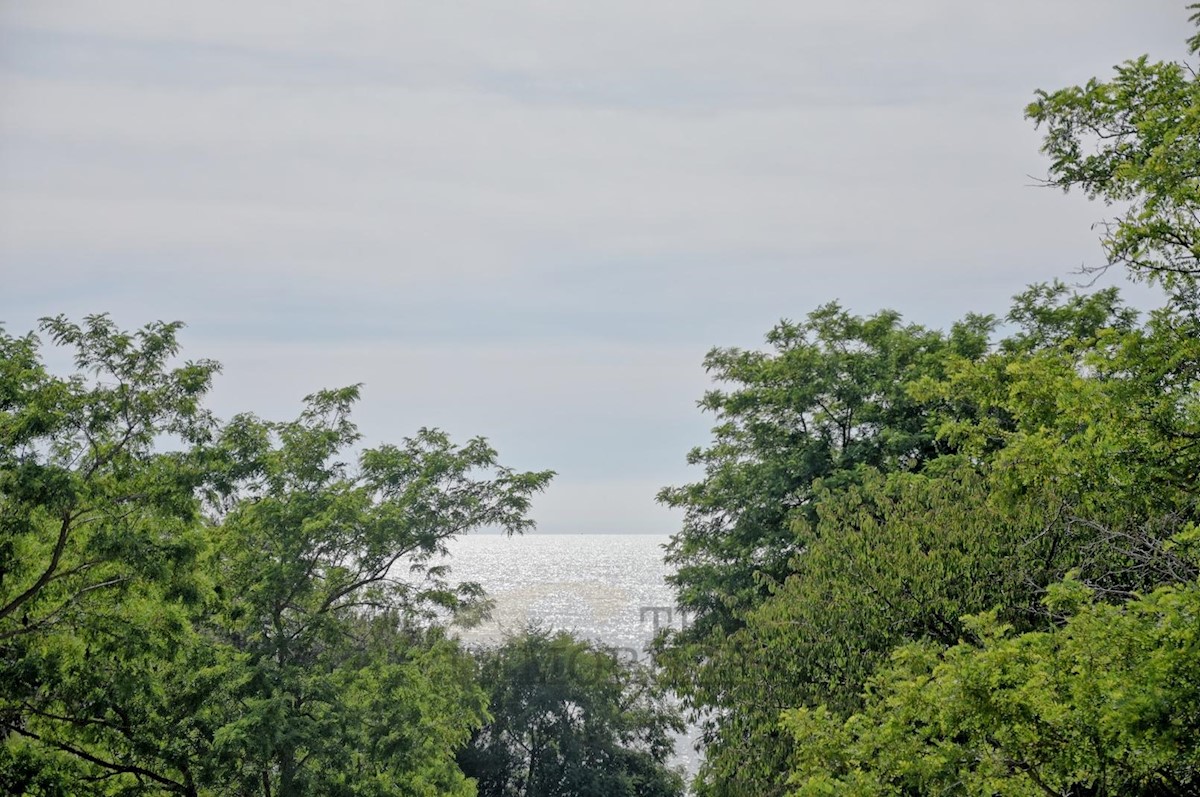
1077 437
833 398
88 506
1089 411
99 529
832 395
1069 444
314 552
256 613
1108 704
571 719
1134 140
897 558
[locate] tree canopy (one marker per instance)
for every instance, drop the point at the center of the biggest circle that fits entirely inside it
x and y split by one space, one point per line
570 718
1134 140
1104 704
252 611
870 485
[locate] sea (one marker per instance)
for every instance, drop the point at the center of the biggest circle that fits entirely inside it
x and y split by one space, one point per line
608 588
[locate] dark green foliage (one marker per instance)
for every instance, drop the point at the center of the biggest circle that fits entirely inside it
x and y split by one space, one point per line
895 559
570 719
31 770
832 395
833 401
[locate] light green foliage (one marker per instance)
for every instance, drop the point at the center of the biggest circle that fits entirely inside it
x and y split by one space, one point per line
87 505
1108 704
256 613
99 539
407 706
1134 140
571 719
1087 411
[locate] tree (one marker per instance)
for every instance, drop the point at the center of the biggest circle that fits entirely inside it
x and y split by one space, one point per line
325 582
894 559
1070 444
832 395
87 504
1134 140
832 400
1104 705
1087 409
571 719
99 528
249 614
865 478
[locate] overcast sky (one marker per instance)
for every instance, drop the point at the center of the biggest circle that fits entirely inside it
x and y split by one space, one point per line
530 220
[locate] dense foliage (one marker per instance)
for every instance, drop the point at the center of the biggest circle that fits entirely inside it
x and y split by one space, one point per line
871 487
571 719
1105 704
196 608
100 546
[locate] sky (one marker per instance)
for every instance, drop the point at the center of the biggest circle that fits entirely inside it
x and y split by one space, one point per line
530 220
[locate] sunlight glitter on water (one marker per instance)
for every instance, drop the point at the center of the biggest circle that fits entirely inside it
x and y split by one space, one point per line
604 587
598 586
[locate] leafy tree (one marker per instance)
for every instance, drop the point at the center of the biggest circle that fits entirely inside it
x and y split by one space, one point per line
1105 705
571 719
87 505
1089 411
325 623
832 395
832 398
895 559
248 615
1069 444
1134 140
99 529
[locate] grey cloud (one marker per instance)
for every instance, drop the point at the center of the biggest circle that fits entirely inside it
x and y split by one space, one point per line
531 219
